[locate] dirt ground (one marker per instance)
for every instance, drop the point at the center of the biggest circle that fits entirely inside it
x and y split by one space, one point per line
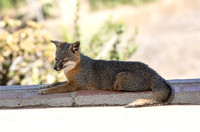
169 41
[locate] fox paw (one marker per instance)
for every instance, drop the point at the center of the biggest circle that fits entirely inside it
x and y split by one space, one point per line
42 91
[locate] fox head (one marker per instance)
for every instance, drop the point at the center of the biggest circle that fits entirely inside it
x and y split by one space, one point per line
67 55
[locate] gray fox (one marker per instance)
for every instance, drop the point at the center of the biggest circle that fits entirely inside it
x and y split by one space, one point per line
84 73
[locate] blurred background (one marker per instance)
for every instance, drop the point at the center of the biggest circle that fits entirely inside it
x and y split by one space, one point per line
165 34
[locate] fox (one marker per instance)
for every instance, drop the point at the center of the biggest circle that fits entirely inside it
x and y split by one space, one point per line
84 73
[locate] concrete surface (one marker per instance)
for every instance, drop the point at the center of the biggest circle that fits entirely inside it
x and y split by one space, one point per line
102 119
187 91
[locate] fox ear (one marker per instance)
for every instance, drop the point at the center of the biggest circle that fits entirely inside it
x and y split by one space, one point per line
75 47
58 43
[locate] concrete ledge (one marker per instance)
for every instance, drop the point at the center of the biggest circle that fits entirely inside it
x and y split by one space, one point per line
187 91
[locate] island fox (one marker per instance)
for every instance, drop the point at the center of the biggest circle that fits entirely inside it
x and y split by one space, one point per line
84 73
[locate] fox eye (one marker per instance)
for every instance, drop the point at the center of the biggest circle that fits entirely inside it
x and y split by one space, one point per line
63 61
56 59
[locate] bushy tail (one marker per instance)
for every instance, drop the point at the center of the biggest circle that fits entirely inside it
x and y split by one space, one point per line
160 95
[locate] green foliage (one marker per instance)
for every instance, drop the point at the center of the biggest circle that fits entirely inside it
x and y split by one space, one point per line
105 32
25 54
47 9
99 4
6 4
108 42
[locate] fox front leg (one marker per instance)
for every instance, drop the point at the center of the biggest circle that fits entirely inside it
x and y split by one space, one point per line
52 85
58 89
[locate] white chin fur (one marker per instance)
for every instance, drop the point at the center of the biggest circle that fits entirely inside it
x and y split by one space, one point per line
69 65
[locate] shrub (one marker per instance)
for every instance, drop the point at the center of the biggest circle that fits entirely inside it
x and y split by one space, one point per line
25 54
109 42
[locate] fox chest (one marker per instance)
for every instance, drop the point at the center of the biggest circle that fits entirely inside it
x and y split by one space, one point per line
72 73
74 76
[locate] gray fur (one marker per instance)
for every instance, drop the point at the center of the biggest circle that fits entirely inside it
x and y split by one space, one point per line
109 75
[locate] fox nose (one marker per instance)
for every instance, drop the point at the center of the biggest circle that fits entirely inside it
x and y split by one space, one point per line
55 68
